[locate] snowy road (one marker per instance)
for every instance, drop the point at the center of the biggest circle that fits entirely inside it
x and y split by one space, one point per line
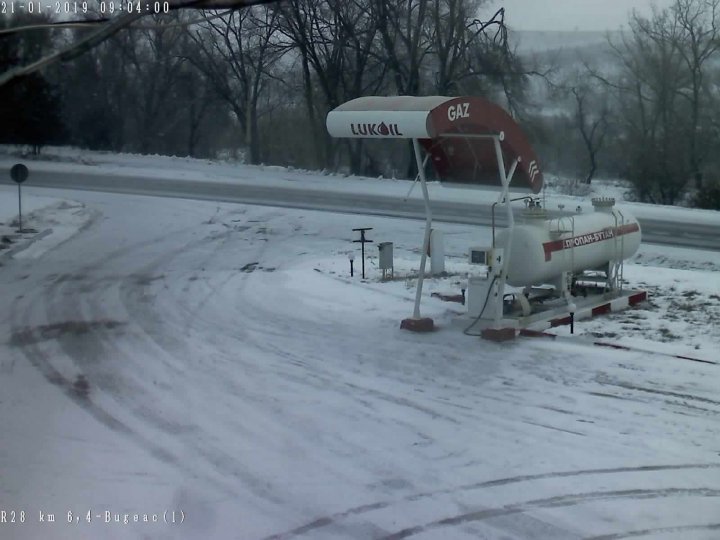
655 230
216 360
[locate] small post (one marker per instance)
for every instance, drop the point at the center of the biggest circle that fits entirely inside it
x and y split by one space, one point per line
20 209
19 174
363 241
362 249
352 260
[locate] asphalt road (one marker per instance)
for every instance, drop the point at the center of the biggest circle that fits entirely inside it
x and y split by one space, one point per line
669 233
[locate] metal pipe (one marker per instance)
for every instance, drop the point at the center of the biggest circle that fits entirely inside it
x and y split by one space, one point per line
492 215
428 226
620 271
492 207
500 135
511 173
20 209
416 180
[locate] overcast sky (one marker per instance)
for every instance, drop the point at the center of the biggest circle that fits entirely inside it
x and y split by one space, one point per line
572 14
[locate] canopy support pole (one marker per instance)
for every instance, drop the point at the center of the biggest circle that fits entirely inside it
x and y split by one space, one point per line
428 227
505 179
417 323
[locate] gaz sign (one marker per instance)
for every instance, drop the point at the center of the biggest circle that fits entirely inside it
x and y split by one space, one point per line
455 112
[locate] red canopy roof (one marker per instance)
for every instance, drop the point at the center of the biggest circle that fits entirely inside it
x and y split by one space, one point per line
450 129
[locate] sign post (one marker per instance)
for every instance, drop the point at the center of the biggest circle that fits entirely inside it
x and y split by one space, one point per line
19 173
363 241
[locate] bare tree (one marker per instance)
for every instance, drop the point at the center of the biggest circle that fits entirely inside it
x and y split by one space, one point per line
591 119
666 96
104 29
154 67
98 121
337 44
470 52
236 53
697 43
403 26
649 87
29 106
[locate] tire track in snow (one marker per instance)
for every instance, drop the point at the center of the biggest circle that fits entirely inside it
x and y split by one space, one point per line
191 314
358 510
150 323
187 312
55 299
160 331
628 386
132 296
659 530
552 502
42 363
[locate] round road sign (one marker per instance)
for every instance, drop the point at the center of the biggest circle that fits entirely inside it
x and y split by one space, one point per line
19 173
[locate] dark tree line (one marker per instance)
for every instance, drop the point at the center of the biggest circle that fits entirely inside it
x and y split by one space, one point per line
30 105
257 83
260 80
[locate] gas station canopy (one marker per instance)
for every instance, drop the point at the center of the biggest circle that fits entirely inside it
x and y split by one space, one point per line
457 132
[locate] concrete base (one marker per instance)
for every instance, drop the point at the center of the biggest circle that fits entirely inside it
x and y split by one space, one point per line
498 334
457 298
418 325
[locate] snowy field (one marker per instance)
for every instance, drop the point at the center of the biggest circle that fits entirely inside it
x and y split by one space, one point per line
217 361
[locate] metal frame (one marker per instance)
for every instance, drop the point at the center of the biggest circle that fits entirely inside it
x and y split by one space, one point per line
506 177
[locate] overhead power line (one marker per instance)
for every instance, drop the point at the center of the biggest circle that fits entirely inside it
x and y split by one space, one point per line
110 28
95 22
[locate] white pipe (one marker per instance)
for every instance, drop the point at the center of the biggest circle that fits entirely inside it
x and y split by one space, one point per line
620 269
511 173
416 180
428 226
505 180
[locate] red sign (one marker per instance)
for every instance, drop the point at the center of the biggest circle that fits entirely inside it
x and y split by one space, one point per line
589 238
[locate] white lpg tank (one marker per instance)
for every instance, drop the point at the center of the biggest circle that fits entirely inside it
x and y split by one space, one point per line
543 249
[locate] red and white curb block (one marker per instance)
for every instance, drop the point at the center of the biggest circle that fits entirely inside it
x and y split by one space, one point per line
617 304
584 312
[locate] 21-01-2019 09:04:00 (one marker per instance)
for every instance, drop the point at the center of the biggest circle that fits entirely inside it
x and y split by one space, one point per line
72 6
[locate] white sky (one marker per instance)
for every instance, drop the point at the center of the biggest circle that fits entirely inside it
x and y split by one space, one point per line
596 15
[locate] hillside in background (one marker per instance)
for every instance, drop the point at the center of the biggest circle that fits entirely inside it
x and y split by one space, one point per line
531 41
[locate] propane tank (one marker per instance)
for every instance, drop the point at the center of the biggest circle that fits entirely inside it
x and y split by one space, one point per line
542 249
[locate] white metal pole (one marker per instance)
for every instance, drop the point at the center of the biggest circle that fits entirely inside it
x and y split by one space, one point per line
428 226
416 180
511 222
511 173
20 230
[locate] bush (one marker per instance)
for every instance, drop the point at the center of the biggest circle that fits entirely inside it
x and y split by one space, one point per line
708 197
569 186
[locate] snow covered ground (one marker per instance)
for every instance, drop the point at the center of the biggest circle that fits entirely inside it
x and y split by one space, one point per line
217 361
